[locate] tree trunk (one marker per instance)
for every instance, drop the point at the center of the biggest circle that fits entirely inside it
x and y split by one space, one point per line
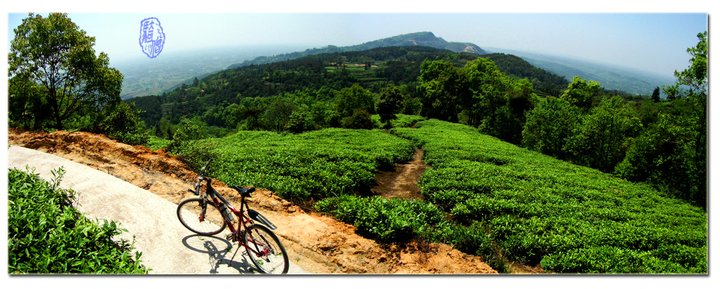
52 98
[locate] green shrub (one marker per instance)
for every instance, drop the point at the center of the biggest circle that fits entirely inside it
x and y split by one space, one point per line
47 235
389 220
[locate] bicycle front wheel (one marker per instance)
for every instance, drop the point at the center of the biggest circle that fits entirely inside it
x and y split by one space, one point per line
266 251
206 222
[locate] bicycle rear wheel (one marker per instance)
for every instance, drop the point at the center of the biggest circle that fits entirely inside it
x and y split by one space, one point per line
190 213
266 251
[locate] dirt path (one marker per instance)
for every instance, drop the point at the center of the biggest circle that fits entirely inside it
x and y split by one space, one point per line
402 181
315 242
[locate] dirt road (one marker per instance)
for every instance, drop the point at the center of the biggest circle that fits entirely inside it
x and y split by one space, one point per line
316 243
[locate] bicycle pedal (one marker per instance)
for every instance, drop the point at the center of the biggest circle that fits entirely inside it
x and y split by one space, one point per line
231 237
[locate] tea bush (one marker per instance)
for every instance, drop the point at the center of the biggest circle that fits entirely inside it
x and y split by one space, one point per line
46 234
568 218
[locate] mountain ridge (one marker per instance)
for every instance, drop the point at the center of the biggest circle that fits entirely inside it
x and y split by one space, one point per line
610 76
424 38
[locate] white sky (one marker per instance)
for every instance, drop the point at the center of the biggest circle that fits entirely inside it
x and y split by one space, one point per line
654 43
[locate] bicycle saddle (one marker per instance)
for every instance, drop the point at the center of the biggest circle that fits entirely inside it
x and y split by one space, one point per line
244 191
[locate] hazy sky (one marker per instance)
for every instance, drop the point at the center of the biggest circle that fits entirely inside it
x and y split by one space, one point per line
650 42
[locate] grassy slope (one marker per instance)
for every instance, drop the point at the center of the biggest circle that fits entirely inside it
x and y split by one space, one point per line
534 208
566 217
310 165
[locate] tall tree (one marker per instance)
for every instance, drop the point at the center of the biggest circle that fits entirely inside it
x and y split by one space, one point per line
672 91
672 153
582 93
656 95
549 125
443 88
695 75
603 135
389 103
56 55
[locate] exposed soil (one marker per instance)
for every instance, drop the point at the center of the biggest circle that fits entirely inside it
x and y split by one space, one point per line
315 242
401 182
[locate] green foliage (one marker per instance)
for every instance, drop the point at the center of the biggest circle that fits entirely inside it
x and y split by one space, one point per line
121 121
549 125
388 220
47 235
666 155
696 75
603 136
672 152
404 120
187 130
277 115
546 83
58 73
478 94
190 129
57 81
389 104
540 210
655 95
311 74
354 98
672 91
306 166
360 119
582 93
156 143
443 89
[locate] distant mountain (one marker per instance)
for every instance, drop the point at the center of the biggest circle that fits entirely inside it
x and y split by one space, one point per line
145 76
372 69
610 77
427 39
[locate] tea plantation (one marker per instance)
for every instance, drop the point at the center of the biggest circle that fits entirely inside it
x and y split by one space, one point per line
312 165
565 217
482 195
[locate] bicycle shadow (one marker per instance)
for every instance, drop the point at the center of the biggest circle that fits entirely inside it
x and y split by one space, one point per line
217 250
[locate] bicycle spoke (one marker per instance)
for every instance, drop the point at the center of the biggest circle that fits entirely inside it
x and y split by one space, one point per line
265 250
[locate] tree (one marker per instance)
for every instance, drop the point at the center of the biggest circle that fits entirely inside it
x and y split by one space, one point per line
665 155
352 98
672 153
360 119
277 115
55 55
443 89
672 91
548 125
487 90
604 135
656 95
122 122
27 106
389 103
300 120
695 75
582 93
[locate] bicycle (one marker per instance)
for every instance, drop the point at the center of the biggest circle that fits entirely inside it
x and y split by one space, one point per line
202 215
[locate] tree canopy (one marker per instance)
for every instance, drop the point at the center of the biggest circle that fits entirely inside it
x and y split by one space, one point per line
55 59
58 81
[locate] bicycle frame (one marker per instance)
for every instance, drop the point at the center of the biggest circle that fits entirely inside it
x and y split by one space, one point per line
243 221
